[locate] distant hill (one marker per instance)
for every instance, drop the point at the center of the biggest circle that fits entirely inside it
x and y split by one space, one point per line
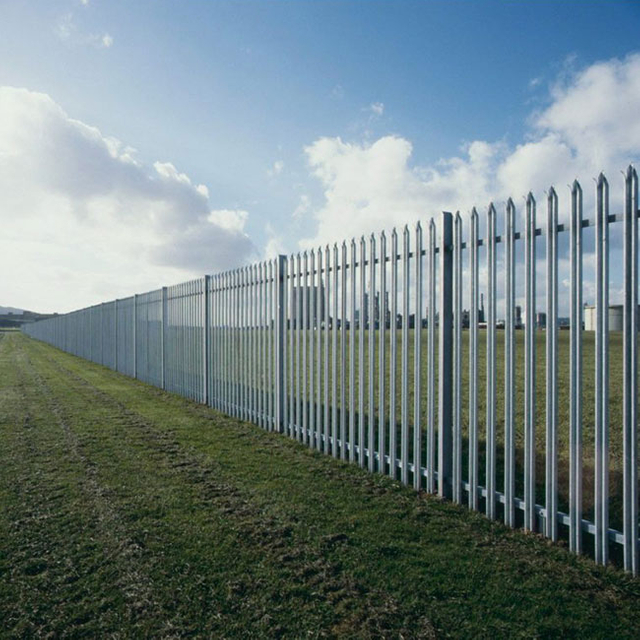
5 310
14 317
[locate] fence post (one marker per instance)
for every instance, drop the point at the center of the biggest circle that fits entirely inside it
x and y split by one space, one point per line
115 336
102 333
163 338
445 373
280 327
630 415
135 335
205 340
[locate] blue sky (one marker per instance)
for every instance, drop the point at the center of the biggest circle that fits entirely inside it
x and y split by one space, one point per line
278 109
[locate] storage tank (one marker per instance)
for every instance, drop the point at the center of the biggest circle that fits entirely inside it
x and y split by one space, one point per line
615 317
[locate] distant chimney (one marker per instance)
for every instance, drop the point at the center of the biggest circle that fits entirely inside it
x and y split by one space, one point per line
481 309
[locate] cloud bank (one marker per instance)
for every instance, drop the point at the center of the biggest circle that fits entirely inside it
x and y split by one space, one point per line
591 124
80 211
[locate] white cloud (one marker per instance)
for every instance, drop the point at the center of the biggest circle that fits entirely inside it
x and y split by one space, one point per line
203 190
230 219
168 171
370 187
591 124
82 218
303 206
377 108
276 169
65 26
68 31
596 111
274 246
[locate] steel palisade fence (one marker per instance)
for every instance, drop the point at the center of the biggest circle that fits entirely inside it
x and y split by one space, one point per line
290 344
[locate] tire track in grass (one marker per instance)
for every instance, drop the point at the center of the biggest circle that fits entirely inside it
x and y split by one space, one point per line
31 505
38 562
489 581
280 542
119 551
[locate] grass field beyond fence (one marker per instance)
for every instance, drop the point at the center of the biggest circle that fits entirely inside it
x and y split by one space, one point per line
563 389
128 512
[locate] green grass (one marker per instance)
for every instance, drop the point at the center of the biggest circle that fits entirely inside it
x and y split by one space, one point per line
588 399
127 512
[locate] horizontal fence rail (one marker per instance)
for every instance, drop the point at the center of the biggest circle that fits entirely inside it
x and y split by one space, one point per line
381 352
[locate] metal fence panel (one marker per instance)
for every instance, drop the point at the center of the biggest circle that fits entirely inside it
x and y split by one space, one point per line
333 349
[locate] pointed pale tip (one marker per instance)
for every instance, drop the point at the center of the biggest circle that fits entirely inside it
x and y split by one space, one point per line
492 209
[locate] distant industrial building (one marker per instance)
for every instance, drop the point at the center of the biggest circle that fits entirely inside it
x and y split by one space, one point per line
518 319
315 312
616 315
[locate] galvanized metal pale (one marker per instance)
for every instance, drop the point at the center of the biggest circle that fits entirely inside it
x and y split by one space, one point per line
327 347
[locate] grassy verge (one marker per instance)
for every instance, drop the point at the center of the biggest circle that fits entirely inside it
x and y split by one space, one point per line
563 384
125 511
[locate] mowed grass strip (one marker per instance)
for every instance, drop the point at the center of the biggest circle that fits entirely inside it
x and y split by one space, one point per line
126 511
